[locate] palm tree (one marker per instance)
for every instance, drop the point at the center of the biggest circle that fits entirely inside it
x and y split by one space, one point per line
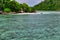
1 4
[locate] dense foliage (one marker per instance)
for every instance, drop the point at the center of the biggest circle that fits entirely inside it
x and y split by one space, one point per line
50 5
14 6
7 10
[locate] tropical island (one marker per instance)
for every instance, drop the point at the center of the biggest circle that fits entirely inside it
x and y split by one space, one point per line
14 26
48 5
12 6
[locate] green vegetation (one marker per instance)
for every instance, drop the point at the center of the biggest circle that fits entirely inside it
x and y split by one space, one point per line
48 5
14 6
7 10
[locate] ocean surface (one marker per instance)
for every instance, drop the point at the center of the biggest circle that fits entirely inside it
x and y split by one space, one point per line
30 27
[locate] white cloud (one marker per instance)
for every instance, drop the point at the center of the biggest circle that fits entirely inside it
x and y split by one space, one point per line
30 2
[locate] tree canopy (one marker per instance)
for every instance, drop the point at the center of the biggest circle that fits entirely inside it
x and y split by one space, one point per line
14 6
50 5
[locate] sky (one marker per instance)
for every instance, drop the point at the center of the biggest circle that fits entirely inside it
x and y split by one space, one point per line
30 2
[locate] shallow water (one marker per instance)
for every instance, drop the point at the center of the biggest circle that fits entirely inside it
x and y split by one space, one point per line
30 27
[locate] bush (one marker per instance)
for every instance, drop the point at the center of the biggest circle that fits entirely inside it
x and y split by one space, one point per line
14 6
7 10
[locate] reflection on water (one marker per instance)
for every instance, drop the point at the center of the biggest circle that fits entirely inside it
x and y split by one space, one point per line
30 27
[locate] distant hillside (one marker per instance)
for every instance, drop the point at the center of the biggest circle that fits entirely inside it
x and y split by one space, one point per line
50 5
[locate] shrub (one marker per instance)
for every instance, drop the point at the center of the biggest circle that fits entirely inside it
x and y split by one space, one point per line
7 10
14 6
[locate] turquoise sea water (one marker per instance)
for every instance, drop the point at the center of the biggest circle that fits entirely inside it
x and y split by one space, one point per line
30 27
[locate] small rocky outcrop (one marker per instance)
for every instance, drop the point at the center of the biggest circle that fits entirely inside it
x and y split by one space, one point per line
1 12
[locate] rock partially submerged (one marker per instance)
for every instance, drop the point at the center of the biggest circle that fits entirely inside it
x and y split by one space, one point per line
1 12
